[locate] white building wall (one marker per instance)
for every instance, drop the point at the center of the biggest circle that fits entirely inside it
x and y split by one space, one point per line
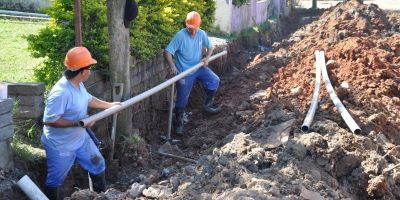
230 18
223 15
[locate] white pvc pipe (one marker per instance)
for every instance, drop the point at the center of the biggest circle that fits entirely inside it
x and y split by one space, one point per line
144 95
30 189
342 110
314 101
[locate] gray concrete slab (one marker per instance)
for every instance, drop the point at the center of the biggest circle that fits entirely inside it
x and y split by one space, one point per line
5 119
29 112
28 100
26 89
6 157
6 105
6 132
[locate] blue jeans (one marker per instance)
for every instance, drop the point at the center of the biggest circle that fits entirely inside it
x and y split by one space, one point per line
60 162
205 75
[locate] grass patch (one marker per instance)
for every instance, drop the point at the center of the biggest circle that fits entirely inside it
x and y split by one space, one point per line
16 62
26 140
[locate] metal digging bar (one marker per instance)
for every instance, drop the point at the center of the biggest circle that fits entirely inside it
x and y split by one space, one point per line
110 111
118 90
314 101
169 148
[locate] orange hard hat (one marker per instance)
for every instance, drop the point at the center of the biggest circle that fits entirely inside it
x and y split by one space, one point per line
193 20
78 57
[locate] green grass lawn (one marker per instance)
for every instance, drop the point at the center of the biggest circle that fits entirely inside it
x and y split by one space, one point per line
16 63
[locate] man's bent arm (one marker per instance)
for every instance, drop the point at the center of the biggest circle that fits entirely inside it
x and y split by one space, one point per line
207 58
168 57
62 123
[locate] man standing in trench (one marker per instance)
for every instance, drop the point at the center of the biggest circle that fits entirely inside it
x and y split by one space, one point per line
64 141
186 47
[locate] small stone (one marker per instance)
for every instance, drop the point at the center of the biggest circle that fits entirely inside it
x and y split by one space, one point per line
223 160
175 181
190 170
296 91
332 64
310 195
136 190
316 175
274 191
205 196
345 85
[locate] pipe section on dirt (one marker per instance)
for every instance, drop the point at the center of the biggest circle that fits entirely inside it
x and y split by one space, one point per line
314 101
30 189
144 95
342 110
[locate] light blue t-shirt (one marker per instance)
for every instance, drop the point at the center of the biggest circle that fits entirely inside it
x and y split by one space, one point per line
67 102
187 50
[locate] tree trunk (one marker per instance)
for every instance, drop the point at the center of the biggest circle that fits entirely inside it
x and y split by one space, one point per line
78 23
314 4
119 59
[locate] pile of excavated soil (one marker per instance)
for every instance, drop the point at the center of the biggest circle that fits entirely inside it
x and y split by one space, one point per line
255 149
362 47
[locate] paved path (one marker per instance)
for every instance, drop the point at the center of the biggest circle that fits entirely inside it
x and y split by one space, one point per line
383 4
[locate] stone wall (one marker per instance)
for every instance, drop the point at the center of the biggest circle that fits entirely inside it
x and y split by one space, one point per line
28 98
144 76
152 114
6 133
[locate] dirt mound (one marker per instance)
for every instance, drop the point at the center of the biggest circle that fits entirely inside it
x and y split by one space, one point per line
255 148
362 47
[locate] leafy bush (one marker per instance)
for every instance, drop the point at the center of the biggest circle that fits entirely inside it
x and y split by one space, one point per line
57 38
156 24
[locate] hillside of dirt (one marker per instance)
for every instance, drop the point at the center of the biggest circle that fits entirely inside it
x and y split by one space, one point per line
255 149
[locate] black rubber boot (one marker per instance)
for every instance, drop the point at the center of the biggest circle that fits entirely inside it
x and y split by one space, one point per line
180 122
99 182
208 106
52 193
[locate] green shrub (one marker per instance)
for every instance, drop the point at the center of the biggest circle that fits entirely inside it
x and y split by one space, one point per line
57 38
155 26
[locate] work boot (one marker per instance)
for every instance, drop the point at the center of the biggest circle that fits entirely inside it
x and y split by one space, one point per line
208 106
180 120
52 193
99 182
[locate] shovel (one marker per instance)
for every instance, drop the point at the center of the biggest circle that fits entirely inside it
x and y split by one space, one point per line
118 89
169 148
117 96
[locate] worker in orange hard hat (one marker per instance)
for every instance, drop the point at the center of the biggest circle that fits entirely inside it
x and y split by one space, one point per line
186 47
63 139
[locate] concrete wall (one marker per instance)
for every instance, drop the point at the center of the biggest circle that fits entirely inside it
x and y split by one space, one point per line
6 133
223 15
29 99
230 18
